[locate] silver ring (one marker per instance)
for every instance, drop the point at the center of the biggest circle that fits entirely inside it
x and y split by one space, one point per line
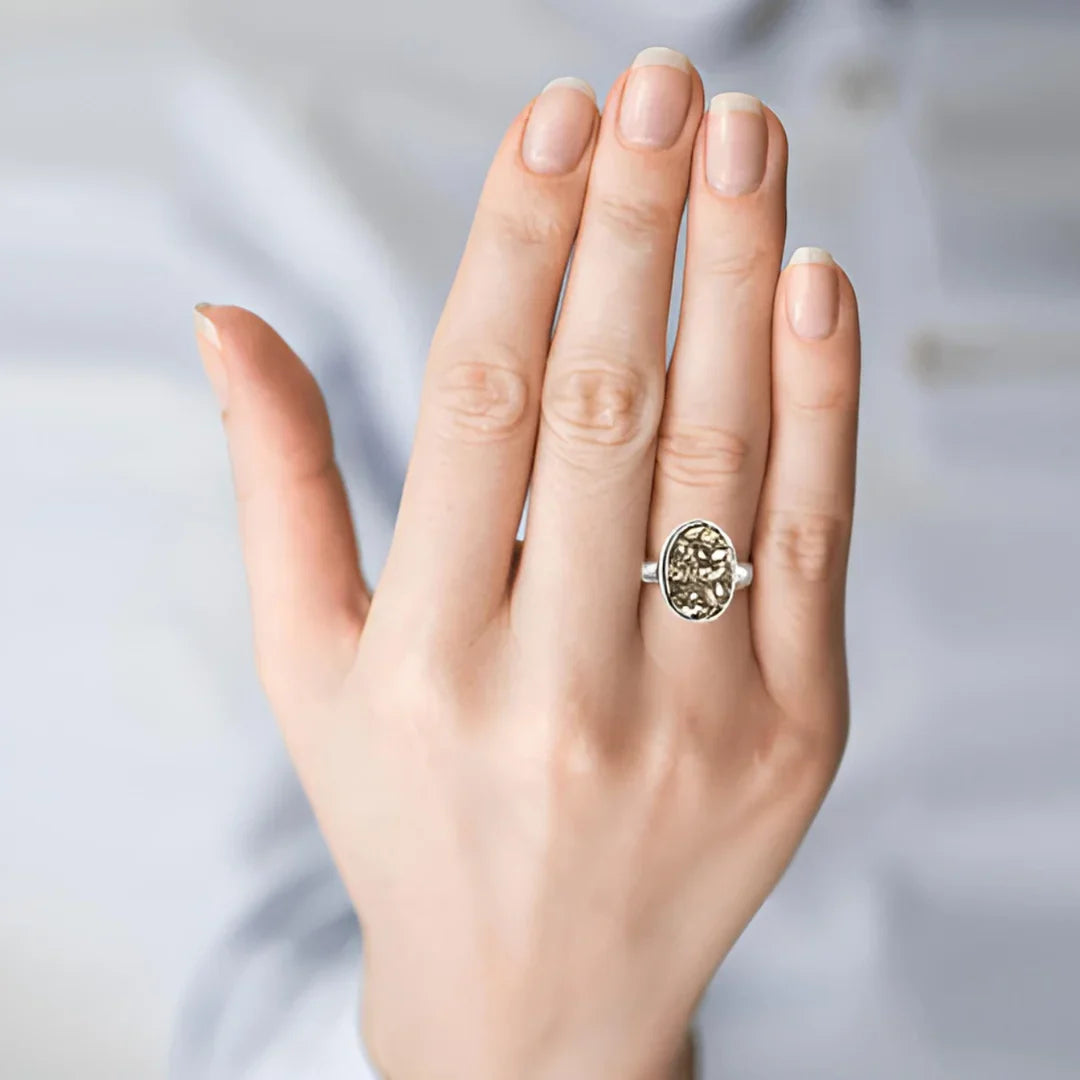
698 572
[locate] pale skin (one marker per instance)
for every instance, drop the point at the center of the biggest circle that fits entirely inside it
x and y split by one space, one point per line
556 805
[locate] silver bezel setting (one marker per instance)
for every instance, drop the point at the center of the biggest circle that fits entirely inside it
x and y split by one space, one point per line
662 568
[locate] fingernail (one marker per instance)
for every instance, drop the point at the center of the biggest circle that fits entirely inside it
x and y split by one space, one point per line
736 143
209 343
559 126
813 293
656 98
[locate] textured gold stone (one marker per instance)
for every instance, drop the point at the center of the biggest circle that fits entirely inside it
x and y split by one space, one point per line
698 571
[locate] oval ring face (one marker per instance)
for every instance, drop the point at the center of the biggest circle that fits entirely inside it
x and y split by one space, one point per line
697 571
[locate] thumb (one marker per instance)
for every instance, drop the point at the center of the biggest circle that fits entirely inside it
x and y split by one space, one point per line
308 597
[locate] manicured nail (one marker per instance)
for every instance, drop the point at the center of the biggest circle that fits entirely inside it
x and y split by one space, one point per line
559 126
209 343
656 98
736 143
813 293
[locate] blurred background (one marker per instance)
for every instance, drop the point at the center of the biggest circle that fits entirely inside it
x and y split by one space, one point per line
165 903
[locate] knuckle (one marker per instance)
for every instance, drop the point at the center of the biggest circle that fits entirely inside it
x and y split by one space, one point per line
586 732
700 455
639 220
480 400
741 263
599 404
802 753
526 224
295 469
809 546
826 392
413 669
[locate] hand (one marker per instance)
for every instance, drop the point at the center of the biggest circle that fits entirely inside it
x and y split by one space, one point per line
554 803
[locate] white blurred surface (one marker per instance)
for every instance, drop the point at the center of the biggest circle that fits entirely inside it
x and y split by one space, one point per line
318 163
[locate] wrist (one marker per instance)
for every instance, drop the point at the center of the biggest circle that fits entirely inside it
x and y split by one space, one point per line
392 1065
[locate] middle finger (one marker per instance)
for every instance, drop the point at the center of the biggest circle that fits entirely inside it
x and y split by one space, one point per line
604 384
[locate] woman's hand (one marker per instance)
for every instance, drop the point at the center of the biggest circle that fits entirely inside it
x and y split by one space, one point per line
554 803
